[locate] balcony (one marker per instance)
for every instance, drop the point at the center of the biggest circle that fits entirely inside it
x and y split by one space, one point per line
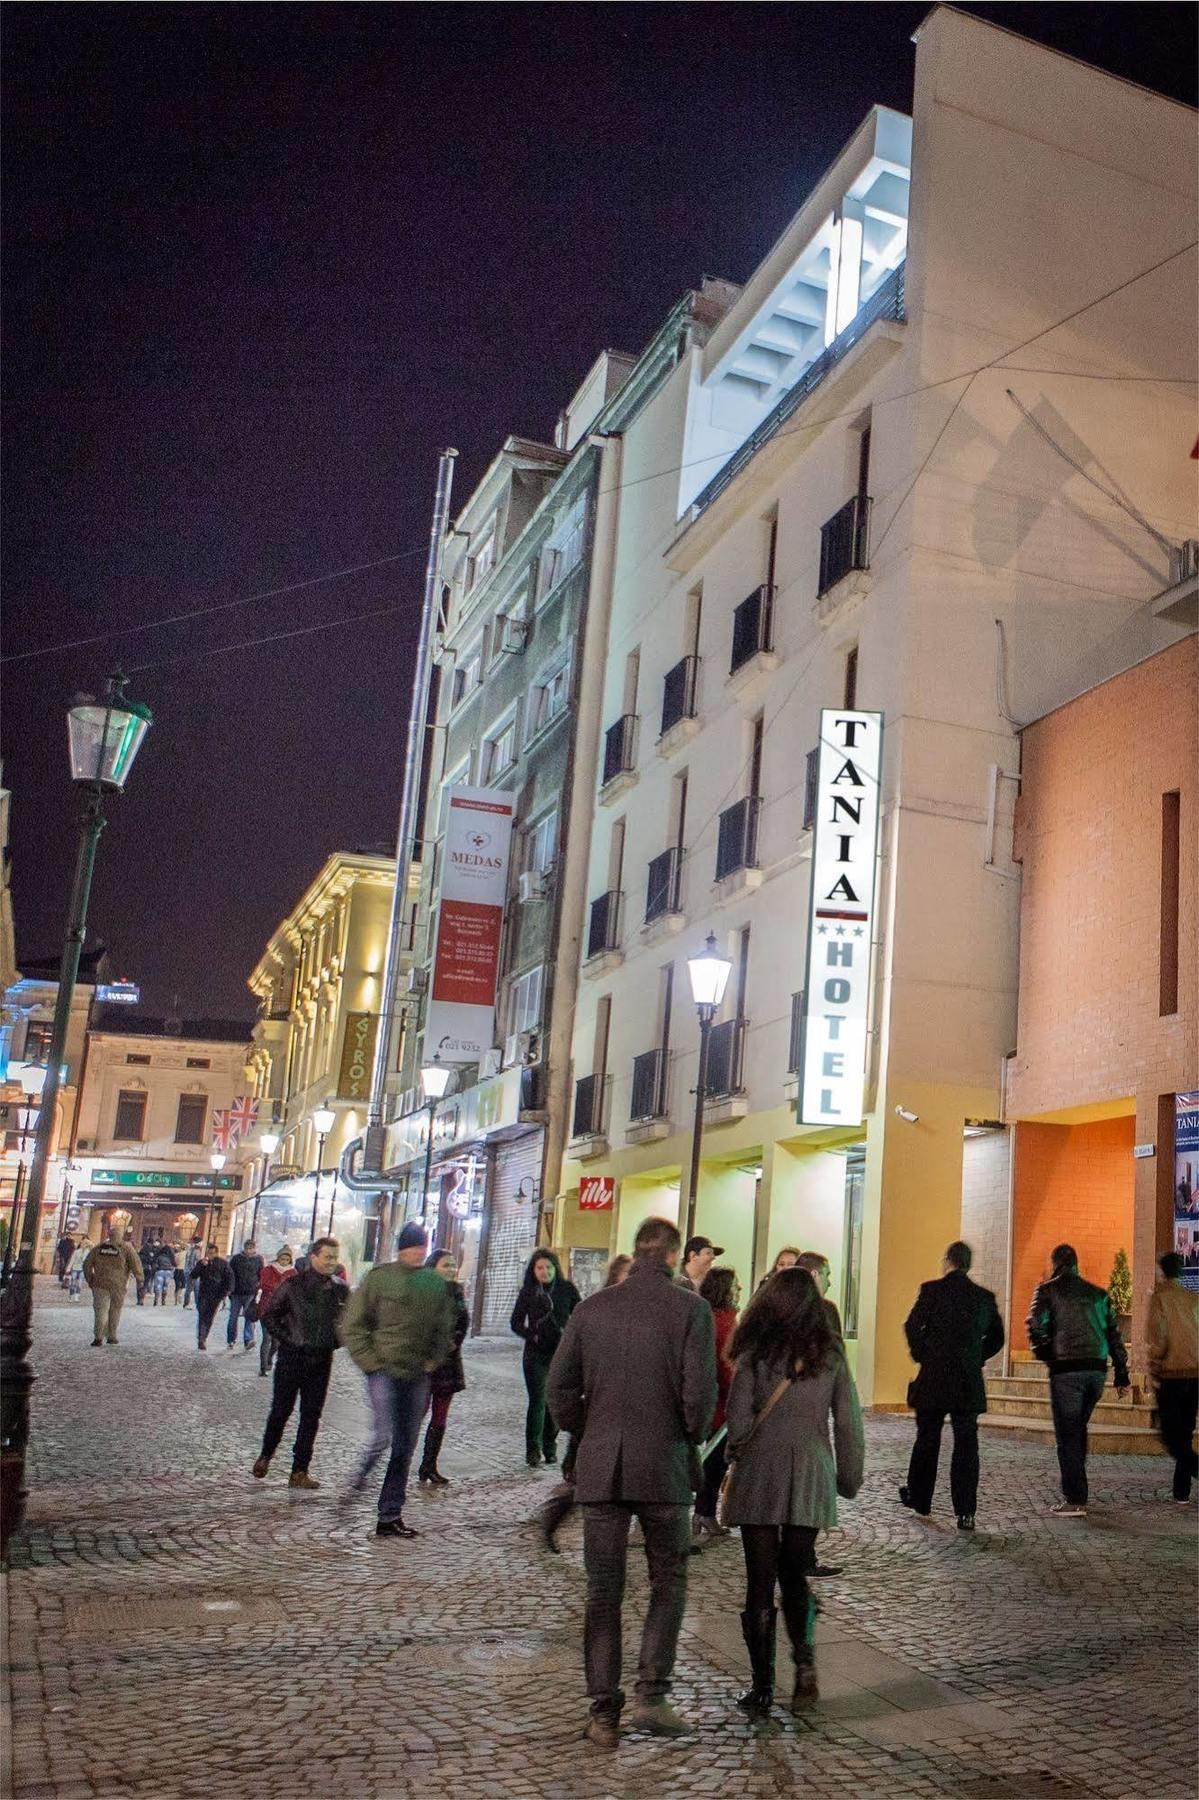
603 934
679 722
753 637
724 1092
663 887
737 846
587 1129
811 788
647 1109
794 1048
618 771
844 544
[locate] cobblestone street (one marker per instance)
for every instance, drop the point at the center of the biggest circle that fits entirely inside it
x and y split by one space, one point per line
177 1629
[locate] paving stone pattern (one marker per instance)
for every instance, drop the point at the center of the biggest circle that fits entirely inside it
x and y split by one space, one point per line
177 1629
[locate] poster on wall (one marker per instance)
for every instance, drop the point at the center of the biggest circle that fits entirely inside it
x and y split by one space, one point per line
1186 1186
841 919
460 1021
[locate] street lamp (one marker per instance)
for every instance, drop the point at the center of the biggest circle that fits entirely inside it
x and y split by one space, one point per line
709 973
434 1080
103 739
323 1120
269 1143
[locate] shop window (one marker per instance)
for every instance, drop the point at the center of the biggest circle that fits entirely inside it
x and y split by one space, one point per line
38 1033
191 1118
855 1181
130 1125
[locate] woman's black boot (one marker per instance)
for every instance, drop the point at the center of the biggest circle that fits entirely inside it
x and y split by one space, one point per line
758 1629
428 1470
799 1612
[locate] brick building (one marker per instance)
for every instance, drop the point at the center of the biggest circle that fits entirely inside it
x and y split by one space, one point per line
1107 1017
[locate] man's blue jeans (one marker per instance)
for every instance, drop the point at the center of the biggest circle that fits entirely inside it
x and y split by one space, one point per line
397 1408
239 1304
1074 1394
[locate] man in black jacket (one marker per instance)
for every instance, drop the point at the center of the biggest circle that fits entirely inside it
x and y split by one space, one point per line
246 1269
214 1279
303 1313
637 1368
1072 1327
951 1331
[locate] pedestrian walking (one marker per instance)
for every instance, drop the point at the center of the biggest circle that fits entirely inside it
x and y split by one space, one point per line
449 1377
178 1276
164 1273
245 1268
195 1252
106 1270
634 1378
1072 1327
304 1314
1172 1337
213 1281
399 1325
699 1253
790 1375
543 1306
79 1256
272 1274
63 1252
952 1330
562 1500
721 1290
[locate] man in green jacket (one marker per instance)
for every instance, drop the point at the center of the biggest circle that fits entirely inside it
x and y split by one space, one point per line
398 1326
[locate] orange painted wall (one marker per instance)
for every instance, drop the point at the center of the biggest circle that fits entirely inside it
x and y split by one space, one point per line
1073 1185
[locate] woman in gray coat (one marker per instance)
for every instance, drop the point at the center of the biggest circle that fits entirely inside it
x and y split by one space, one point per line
790 1374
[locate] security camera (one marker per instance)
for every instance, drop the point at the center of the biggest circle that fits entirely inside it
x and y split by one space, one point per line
911 1117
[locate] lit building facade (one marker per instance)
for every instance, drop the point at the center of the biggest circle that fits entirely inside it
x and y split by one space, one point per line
872 489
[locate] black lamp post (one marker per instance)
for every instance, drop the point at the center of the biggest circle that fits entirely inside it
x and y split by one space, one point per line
434 1080
323 1119
104 737
269 1142
709 973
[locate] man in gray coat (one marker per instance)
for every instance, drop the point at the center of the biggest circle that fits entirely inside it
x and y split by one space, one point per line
635 1377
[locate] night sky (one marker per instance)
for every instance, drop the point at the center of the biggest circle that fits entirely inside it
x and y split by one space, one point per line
261 263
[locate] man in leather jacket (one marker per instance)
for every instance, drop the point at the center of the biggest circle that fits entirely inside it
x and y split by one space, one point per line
1071 1326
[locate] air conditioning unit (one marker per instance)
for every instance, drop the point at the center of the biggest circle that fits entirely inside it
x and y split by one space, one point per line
512 1048
516 636
489 1064
530 1047
530 886
416 980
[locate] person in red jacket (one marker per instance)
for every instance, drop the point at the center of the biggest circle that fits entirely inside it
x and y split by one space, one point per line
720 1288
272 1274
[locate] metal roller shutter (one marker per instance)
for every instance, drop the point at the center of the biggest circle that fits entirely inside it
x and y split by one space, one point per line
513 1235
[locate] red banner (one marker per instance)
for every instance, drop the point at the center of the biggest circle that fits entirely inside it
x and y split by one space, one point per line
597 1193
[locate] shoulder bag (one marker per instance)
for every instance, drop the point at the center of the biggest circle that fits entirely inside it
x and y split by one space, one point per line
722 1500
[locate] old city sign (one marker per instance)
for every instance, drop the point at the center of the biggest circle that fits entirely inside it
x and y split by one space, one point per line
160 1178
357 1056
841 919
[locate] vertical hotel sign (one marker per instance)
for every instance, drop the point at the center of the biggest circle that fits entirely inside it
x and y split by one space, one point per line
460 1021
841 920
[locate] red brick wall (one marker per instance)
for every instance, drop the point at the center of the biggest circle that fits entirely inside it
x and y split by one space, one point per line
1073 1185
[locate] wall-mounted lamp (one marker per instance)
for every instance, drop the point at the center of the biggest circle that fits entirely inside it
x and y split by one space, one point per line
909 1118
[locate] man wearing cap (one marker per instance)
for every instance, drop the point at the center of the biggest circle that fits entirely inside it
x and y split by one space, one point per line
699 1253
398 1326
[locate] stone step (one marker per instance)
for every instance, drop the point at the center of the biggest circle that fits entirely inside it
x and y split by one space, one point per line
1017 1387
1102 1438
1108 1412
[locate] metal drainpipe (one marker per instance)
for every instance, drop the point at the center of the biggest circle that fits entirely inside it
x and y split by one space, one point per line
409 801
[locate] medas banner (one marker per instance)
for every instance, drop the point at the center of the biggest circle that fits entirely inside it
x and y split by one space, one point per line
460 1022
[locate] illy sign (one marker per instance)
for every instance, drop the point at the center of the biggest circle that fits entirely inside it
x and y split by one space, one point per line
841 919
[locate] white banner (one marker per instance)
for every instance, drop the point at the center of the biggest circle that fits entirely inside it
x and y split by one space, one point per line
841 919
460 1019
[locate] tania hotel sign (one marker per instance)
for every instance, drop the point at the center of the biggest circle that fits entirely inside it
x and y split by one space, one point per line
841 919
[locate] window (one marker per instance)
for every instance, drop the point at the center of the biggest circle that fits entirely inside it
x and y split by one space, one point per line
1168 957
38 1033
131 1115
811 788
481 561
541 845
564 551
526 1000
199 1062
191 1118
468 674
499 750
142 1062
851 680
550 697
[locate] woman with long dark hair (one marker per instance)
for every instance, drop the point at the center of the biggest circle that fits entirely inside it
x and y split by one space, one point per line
543 1305
720 1289
448 1378
790 1375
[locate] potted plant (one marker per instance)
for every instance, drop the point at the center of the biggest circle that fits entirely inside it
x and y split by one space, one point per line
1119 1292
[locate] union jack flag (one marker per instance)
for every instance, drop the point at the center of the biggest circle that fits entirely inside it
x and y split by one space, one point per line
224 1132
243 1116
